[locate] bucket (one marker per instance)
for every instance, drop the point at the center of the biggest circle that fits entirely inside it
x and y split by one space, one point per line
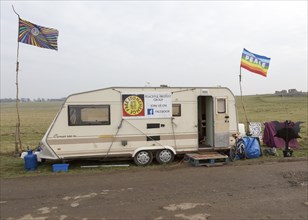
30 161
60 167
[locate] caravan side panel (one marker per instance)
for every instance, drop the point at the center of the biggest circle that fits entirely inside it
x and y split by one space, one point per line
113 135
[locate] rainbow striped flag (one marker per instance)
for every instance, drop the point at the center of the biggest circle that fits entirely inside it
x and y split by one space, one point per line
36 35
255 63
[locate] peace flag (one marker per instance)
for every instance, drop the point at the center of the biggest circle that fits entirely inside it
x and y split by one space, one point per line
255 63
36 35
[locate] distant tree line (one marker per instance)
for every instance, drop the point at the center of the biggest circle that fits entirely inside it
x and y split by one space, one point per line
290 92
8 100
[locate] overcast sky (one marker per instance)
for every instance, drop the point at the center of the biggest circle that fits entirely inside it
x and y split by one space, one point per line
177 43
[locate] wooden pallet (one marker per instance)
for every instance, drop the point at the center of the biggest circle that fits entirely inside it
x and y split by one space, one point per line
207 159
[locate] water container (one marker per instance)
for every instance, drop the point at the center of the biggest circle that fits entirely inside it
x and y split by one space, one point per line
30 161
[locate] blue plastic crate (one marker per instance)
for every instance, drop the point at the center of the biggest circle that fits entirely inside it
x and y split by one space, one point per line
63 167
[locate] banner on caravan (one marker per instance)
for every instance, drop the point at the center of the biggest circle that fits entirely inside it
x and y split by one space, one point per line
147 105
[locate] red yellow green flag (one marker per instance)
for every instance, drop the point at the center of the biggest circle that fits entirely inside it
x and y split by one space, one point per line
255 63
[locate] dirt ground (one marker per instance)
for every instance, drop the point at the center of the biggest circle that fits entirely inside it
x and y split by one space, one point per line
272 190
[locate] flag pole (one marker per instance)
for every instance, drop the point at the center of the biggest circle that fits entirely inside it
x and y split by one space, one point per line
18 145
240 79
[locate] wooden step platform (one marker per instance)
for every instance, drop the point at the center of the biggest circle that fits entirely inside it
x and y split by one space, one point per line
207 159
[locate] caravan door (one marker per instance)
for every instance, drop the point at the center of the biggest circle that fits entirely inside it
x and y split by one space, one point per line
222 126
205 121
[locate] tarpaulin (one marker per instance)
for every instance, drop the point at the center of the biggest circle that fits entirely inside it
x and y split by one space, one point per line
252 147
270 140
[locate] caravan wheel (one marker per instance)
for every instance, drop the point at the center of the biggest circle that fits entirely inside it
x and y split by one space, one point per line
143 158
164 156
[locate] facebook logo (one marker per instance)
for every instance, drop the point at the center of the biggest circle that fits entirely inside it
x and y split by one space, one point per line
150 111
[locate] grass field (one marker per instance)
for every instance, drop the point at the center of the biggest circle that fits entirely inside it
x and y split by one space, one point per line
36 118
274 108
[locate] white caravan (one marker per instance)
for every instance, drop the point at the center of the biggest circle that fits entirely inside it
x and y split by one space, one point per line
142 123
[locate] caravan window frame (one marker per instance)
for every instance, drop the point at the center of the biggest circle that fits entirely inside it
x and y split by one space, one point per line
78 114
179 110
218 108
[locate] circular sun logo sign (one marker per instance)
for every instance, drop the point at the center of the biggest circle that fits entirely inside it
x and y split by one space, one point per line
133 106
35 31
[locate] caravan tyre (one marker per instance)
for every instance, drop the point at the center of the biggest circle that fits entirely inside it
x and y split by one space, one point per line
143 158
164 156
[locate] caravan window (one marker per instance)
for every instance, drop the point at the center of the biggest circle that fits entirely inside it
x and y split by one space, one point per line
176 110
88 115
221 105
